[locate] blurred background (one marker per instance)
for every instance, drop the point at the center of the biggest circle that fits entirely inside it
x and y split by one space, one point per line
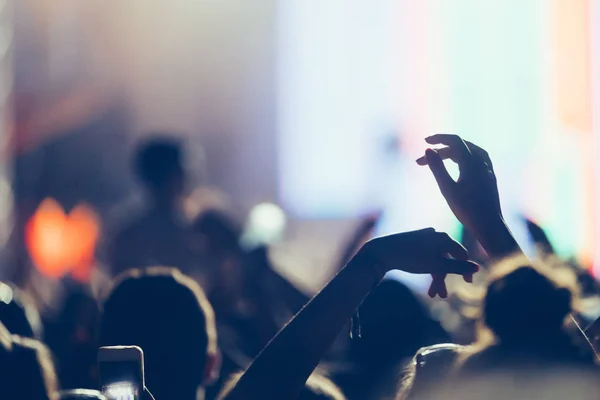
317 106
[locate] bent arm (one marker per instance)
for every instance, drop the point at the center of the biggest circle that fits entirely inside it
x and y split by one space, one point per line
282 368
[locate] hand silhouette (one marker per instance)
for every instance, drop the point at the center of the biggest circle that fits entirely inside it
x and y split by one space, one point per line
473 198
539 238
420 252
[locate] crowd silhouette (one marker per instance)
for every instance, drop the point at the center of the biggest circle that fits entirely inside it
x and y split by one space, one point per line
215 320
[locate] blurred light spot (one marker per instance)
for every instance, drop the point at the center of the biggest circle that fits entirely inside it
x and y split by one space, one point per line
59 243
266 224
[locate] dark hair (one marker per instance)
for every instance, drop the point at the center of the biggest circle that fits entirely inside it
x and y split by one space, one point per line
157 160
18 313
317 387
525 304
525 310
26 369
165 313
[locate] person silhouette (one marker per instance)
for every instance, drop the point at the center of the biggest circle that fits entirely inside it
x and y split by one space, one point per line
166 313
161 235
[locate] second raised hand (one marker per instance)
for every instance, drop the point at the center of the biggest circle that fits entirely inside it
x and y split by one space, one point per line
420 252
473 198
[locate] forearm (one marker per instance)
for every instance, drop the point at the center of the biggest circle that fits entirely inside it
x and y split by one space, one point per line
281 369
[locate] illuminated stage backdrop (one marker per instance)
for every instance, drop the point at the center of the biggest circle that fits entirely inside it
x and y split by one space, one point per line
514 76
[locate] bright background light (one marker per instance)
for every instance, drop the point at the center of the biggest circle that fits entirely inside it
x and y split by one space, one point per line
265 225
319 106
513 76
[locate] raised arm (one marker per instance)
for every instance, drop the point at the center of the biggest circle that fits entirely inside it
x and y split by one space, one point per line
281 369
540 238
473 198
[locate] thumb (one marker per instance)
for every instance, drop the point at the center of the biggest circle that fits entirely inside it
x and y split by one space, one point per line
438 169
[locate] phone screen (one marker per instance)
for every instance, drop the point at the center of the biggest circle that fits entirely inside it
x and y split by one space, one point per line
120 380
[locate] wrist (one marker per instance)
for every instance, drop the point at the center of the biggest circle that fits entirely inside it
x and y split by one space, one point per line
496 238
364 261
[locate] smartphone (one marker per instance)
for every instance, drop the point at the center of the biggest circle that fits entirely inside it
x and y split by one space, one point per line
121 372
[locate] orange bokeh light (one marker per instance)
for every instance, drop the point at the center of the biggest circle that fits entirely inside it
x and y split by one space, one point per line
59 243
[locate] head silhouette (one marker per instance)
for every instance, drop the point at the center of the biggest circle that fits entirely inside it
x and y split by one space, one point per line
429 367
221 233
525 309
525 305
159 166
18 313
26 370
167 315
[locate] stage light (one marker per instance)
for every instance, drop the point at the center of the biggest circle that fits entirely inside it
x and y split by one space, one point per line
266 224
60 243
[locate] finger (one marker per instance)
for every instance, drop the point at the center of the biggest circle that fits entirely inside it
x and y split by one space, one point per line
435 282
468 278
432 289
451 266
439 171
445 153
442 290
439 285
454 141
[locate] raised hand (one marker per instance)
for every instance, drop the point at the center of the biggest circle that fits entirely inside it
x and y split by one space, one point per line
420 252
473 198
540 238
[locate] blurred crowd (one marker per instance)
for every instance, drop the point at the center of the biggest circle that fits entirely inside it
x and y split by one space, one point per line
216 320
